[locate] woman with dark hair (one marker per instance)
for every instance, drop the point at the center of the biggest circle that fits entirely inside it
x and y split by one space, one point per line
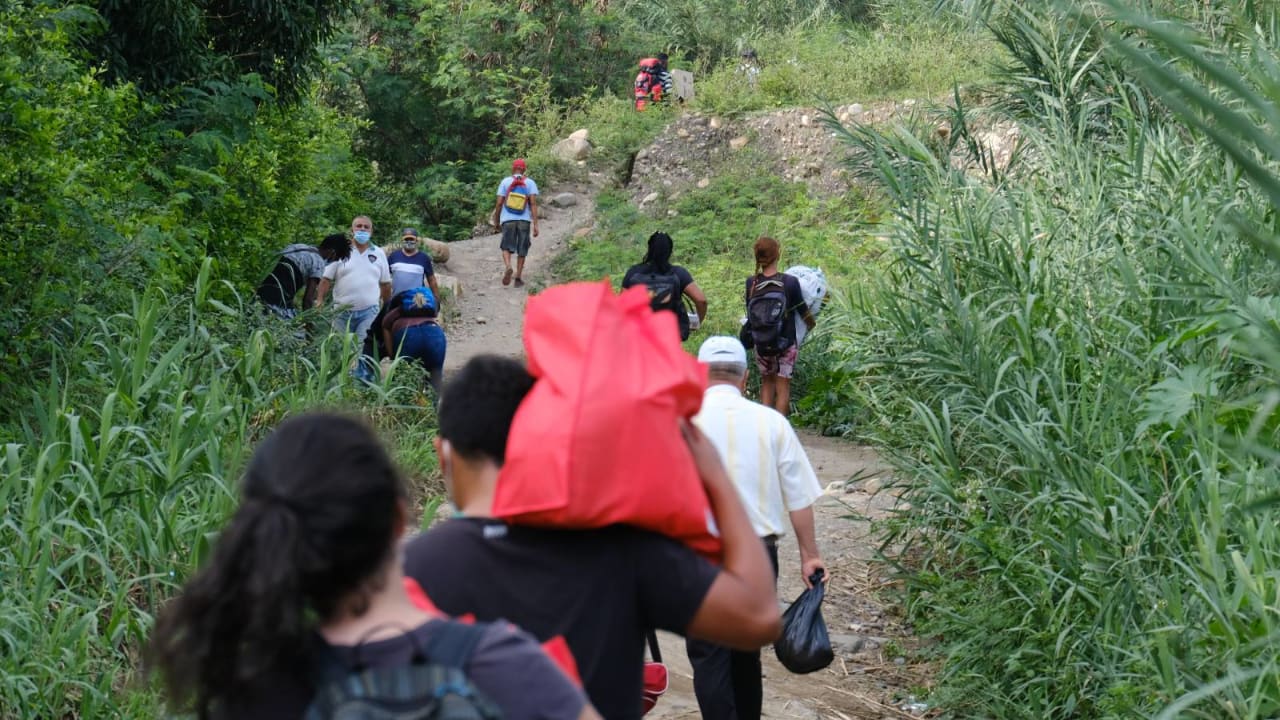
300 266
773 300
668 284
304 590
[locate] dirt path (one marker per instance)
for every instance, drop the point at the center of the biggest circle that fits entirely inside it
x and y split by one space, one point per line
870 678
488 315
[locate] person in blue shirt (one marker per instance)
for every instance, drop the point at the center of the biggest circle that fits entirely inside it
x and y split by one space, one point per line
516 213
410 267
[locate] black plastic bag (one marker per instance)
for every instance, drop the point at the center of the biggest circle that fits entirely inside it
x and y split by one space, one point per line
804 646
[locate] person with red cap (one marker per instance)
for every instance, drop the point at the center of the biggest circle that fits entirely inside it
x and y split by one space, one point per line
516 213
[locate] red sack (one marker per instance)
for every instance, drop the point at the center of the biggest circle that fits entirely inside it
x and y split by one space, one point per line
597 440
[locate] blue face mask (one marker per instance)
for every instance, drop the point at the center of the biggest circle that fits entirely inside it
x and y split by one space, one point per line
362 236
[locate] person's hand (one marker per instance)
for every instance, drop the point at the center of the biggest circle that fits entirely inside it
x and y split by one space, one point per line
535 231
705 456
809 567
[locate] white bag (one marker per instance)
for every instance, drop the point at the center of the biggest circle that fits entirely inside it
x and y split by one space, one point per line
813 286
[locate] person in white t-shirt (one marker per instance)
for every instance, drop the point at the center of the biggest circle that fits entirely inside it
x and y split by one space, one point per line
360 285
778 487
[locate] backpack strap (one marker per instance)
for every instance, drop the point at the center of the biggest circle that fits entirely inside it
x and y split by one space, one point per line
655 653
454 643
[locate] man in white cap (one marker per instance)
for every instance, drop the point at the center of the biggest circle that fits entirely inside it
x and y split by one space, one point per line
778 488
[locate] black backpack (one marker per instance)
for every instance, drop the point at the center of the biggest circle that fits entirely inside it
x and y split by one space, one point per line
664 289
433 686
766 313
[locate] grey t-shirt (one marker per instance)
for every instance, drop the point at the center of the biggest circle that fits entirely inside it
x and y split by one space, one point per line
307 258
508 667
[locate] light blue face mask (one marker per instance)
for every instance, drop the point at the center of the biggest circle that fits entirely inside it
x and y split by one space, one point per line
362 236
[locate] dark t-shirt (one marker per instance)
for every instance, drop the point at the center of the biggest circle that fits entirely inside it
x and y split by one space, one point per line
684 278
507 667
598 589
795 302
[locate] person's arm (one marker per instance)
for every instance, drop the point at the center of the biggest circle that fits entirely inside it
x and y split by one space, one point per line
807 538
389 321
497 213
533 208
740 609
309 294
800 490
384 279
435 289
797 302
322 291
699 299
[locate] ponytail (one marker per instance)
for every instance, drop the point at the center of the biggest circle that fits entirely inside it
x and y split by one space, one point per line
314 528
241 617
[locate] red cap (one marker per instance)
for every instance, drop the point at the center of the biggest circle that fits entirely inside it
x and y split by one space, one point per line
518 165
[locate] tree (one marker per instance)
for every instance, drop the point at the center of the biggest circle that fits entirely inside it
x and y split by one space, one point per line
161 44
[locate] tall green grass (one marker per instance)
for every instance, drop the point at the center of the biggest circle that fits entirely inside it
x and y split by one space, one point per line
124 468
1075 364
834 62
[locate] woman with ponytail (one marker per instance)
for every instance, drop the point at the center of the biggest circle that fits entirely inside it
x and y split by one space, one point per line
773 300
668 284
307 571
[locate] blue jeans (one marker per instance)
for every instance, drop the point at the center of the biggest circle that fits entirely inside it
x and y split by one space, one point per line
358 322
426 344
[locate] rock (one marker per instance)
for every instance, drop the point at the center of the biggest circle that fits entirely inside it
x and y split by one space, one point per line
582 134
805 121
738 143
450 286
682 132
542 211
704 183
581 233
481 320
715 123
847 644
564 200
439 251
571 149
673 212
649 198
871 486
855 109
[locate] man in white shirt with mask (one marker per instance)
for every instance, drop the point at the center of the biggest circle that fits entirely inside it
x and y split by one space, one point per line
777 486
360 285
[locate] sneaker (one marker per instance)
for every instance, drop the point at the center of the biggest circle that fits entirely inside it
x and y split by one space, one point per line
506 277
519 282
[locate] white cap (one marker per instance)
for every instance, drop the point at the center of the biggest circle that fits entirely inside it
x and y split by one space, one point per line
722 349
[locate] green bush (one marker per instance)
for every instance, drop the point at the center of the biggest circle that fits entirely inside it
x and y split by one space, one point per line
1073 365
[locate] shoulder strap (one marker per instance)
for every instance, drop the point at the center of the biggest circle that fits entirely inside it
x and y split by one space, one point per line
454 643
655 653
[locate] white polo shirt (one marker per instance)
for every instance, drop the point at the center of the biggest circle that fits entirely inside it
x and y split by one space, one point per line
764 457
357 280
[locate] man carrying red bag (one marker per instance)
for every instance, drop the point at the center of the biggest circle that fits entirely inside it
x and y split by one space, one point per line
590 503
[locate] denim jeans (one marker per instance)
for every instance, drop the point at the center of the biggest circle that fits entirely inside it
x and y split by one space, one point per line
425 343
358 322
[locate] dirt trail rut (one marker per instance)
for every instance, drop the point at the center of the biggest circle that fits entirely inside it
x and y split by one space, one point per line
488 316
870 678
